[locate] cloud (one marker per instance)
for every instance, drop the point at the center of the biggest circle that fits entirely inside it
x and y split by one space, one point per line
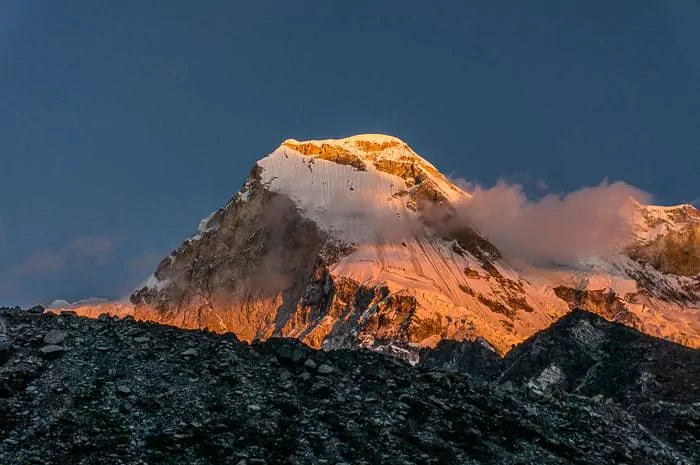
39 264
553 228
79 253
547 227
696 203
359 208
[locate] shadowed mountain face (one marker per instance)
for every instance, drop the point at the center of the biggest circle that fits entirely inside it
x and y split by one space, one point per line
590 355
584 391
596 357
360 242
656 381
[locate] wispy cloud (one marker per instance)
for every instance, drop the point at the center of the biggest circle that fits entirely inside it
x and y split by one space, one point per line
80 252
39 264
555 228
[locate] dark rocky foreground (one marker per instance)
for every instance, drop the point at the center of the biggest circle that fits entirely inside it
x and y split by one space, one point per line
80 391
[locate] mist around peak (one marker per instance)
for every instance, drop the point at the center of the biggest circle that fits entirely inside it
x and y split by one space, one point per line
594 221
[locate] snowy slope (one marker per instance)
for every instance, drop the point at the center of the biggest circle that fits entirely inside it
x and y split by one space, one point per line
348 242
392 246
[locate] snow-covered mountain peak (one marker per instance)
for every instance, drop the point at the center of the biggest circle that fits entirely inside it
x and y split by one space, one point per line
362 242
373 153
360 189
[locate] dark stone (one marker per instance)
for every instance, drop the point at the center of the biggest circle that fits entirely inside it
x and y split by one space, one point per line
52 351
623 397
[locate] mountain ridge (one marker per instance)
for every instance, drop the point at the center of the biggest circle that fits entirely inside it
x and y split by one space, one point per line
359 242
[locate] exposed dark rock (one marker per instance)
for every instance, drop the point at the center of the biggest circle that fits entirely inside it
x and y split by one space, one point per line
325 369
465 356
603 303
329 152
655 381
54 337
36 309
52 351
677 251
236 403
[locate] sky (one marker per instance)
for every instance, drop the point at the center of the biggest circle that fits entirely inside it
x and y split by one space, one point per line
122 124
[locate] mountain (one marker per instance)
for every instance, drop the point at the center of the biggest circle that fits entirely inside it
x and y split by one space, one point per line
359 242
656 381
584 354
652 283
584 391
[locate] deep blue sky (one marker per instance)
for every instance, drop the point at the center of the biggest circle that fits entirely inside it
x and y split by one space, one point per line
123 123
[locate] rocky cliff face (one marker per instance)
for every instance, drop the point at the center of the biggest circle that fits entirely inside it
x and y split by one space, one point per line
672 240
653 285
245 271
354 242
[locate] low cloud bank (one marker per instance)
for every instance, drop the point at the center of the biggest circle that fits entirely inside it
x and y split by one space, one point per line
593 221
81 252
61 303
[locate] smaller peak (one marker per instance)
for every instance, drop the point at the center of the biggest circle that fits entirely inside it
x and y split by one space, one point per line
379 152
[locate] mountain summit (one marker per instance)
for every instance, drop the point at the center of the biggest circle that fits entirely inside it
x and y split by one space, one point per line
358 242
